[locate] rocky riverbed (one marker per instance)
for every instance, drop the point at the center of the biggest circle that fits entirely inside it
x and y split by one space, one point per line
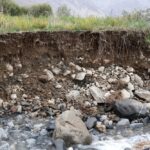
66 106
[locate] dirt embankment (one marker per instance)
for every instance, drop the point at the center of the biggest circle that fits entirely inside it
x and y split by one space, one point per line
119 47
25 56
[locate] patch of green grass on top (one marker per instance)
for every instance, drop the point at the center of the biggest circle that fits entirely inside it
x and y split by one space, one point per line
51 23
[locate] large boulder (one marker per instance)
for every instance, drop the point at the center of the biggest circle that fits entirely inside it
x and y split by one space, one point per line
130 108
71 129
143 94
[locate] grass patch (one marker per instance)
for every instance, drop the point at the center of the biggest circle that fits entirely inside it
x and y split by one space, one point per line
30 23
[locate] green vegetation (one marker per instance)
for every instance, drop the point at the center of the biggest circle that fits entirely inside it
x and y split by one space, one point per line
63 11
40 10
30 23
40 17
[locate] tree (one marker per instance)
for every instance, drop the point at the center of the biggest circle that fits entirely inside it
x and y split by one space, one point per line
63 11
11 8
41 10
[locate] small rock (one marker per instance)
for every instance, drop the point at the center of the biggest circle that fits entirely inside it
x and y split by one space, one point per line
80 76
123 123
51 125
58 86
101 69
9 67
100 127
56 71
4 146
60 144
67 72
13 96
19 109
138 80
43 132
125 94
10 124
62 106
87 104
30 142
3 134
125 80
130 86
136 125
103 118
49 74
143 94
97 94
130 69
73 95
91 122
1 102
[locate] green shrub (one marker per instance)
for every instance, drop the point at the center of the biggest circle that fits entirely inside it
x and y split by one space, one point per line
9 7
63 11
41 10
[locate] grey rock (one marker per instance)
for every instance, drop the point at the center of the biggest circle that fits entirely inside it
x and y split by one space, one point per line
71 128
91 122
144 94
130 108
51 125
30 142
60 144
123 123
4 146
136 125
97 94
3 134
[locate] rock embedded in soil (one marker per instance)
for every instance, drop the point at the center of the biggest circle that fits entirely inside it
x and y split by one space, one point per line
97 94
73 95
80 76
130 108
71 129
143 94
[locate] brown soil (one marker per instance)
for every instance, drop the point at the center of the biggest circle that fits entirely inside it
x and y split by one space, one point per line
37 51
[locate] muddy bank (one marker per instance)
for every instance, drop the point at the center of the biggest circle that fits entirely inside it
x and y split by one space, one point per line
105 47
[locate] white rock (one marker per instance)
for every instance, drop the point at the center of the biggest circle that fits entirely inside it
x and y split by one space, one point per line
130 69
78 68
144 94
112 80
13 96
125 94
80 76
97 94
56 71
67 72
19 109
9 67
130 86
89 72
73 95
125 79
138 80
10 124
101 69
49 74
58 86
1 102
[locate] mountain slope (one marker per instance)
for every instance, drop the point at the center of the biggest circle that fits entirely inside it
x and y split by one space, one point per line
93 7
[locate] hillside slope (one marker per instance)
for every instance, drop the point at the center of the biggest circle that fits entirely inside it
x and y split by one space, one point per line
93 7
